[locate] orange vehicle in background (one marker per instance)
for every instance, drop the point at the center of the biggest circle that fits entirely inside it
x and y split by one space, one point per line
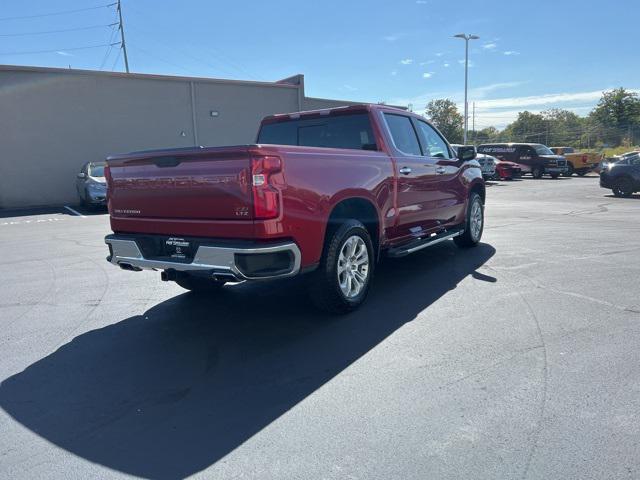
578 162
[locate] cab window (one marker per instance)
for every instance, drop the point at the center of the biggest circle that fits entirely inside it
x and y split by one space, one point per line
403 134
432 143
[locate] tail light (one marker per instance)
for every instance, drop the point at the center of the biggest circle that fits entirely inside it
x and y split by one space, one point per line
266 176
585 159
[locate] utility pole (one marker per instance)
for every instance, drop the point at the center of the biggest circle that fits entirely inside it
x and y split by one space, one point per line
466 39
122 42
473 122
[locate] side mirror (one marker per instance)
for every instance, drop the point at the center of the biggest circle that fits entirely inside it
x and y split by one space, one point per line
82 175
466 153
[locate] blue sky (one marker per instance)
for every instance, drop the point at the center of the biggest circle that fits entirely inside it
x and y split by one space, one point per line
531 55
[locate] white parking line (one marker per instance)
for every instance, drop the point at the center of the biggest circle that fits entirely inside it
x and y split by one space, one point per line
74 211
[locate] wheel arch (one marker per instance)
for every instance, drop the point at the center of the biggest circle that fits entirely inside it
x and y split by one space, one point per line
480 189
358 208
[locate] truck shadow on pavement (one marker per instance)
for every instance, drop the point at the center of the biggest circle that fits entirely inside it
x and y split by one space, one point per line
168 393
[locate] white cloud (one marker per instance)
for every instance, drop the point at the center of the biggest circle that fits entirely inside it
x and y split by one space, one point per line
551 99
481 92
511 52
64 54
406 61
421 2
428 62
446 65
499 112
427 75
390 38
439 54
394 73
349 88
489 46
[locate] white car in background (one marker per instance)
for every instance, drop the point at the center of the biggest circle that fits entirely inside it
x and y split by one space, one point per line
487 165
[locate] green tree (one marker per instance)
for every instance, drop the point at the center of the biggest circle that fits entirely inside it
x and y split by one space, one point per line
528 127
444 114
616 115
486 135
563 127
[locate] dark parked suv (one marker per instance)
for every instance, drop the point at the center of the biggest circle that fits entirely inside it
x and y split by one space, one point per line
622 177
533 158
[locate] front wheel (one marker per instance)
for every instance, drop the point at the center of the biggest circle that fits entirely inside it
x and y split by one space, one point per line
474 224
537 173
623 188
341 282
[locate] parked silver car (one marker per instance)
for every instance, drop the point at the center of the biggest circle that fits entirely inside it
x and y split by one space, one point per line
91 184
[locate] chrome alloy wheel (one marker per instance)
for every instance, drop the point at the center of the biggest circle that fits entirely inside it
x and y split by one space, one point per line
353 266
476 220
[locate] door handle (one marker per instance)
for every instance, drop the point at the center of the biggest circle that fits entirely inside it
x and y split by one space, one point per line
405 170
440 170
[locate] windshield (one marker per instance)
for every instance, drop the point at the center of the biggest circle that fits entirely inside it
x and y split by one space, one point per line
96 169
543 150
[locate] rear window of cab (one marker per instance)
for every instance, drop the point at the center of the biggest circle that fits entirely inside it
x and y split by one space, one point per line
353 131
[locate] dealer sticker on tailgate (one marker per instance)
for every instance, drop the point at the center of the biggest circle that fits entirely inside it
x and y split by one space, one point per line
178 247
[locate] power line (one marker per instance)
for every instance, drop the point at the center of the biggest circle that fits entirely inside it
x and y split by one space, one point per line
116 60
110 49
62 12
43 32
59 49
168 62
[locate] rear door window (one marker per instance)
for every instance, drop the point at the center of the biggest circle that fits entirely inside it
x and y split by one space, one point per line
403 134
339 131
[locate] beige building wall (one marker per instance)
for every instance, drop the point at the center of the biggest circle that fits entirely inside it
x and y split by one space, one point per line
52 121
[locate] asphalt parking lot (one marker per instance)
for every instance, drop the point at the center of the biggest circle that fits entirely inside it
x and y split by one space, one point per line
516 359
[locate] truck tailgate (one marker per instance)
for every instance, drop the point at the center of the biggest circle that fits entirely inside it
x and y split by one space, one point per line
187 184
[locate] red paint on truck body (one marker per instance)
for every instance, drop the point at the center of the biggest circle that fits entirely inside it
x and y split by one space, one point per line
207 192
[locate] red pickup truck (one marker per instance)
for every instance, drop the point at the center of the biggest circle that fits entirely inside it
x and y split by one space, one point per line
324 193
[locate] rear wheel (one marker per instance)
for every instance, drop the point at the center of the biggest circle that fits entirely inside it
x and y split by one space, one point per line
555 175
537 172
582 173
341 282
474 224
199 284
623 187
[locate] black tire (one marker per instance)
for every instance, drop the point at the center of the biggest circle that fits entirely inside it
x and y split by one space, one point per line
537 172
199 284
582 173
324 288
623 188
569 171
471 238
554 175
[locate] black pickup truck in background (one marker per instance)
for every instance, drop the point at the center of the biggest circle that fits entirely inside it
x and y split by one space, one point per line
533 158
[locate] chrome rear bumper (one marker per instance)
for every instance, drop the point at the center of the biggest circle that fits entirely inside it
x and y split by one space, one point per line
218 261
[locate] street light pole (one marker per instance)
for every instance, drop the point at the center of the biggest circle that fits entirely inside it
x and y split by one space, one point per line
466 38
